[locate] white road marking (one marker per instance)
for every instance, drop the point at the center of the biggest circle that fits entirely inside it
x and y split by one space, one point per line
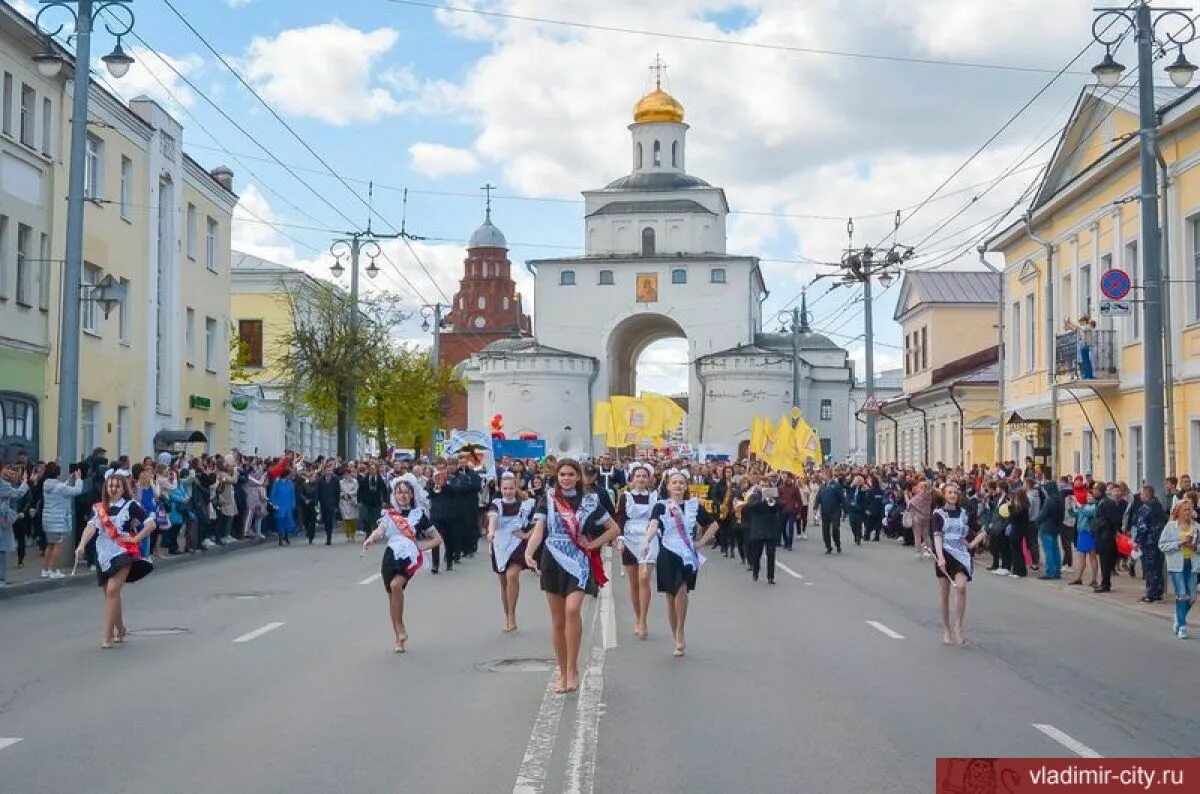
372 578
7 743
788 571
535 766
608 614
875 624
253 635
581 761
808 584
1074 745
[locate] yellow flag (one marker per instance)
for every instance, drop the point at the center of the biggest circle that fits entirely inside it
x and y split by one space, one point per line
757 436
808 442
782 454
664 414
602 422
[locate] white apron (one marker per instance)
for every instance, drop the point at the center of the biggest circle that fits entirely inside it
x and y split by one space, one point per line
506 541
637 523
677 528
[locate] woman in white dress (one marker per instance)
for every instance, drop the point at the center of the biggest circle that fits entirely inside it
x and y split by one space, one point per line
507 534
408 533
677 520
119 524
638 553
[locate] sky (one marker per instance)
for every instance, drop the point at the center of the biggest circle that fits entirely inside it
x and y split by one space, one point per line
439 101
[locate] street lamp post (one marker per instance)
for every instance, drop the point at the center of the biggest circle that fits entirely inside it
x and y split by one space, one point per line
434 310
863 265
356 244
1145 20
49 64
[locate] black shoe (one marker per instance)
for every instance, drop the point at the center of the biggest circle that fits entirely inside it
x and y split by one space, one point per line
770 581
329 543
434 571
1102 589
857 542
754 576
830 551
875 539
839 549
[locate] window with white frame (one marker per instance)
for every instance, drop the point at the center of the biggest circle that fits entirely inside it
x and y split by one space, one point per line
210 245
1134 270
122 430
1194 224
1030 334
717 275
93 168
44 273
191 231
28 116
678 276
126 186
1066 294
47 125
88 311
826 410
1015 351
1194 436
189 336
210 344
24 269
1110 453
1137 457
1089 453
566 278
1085 305
6 117
606 279
482 302
3 256
124 308
89 415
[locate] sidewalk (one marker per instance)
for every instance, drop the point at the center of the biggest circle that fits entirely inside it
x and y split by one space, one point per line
1126 590
27 580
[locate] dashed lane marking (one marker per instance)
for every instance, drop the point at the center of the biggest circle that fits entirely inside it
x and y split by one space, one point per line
372 578
788 571
1074 745
5 743
253 635
882 629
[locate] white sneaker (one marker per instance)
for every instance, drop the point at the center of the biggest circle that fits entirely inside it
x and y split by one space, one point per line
1013 576
45 574
57 575
1001 572
927 554
1068 568
208 543
1182 633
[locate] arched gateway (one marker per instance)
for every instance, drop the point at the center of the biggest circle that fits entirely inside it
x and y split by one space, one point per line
654 267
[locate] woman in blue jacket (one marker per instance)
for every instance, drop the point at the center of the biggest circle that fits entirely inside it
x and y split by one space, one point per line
283 502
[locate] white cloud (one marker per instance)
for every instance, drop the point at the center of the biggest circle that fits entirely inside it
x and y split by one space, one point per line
26 8
149 76
473 27
238 3
435 159
323 72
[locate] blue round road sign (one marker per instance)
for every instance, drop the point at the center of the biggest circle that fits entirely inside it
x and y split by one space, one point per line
1115 284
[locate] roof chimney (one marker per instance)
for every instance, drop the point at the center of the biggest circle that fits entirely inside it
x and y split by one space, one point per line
224 176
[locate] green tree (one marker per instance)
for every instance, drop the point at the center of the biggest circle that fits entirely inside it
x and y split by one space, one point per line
325 360
402 399
239 354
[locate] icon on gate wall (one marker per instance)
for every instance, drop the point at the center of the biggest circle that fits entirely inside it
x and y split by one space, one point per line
647 287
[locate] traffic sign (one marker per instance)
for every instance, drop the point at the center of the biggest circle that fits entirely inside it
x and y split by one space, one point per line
871 406
1115 284
1116 308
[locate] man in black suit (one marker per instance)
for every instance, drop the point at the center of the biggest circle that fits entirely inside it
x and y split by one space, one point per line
372 495
1105 526
329 493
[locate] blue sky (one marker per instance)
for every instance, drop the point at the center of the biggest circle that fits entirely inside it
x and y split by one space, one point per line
442 102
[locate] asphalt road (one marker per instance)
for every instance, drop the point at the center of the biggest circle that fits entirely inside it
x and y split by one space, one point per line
784 689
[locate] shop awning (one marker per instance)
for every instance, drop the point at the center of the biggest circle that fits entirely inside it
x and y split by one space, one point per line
1028 416
165 439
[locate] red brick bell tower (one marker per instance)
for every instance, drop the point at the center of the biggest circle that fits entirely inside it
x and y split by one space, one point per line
487 306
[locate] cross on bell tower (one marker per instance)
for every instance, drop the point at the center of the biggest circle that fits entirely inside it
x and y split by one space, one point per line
487 189
658 67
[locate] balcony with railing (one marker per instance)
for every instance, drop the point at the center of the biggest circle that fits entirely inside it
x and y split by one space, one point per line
1086 358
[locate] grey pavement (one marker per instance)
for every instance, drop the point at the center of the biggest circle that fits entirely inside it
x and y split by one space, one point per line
784 688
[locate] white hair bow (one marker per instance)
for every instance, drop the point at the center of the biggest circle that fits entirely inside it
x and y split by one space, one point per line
117 473
646 467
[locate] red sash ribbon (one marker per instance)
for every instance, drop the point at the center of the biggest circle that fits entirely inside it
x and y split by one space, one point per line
124 541
407 531
571 522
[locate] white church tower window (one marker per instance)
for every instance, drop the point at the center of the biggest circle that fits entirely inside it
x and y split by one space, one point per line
566 278
648 241
638 164
679 276
674 154
657 154
606 278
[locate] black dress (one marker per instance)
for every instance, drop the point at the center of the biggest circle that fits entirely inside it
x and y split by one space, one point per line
402 565
678 560
565 568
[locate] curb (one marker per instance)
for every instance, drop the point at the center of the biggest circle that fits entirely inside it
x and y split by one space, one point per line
88 577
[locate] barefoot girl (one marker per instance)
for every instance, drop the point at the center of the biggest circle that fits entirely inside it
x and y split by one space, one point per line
119 524
574 528
638 553
408 533
952 558
676 520
507 534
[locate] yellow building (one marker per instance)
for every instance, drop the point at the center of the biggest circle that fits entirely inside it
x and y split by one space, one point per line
949 407
267 423
1088 416
159 224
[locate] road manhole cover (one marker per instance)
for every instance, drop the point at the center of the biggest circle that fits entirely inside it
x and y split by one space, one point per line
520 665
164 632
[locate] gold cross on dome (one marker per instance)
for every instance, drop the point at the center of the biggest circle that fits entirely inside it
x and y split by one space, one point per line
658 67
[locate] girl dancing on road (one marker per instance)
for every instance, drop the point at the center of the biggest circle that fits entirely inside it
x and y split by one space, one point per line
949 529
119 524
408 533
508 532
574 527
676 520
638 553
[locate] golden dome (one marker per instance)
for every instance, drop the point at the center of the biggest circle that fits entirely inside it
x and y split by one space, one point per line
658 105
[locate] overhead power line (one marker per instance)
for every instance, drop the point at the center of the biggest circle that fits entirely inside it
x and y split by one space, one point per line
761 45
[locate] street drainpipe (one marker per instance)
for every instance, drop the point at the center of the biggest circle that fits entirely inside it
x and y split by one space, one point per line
962 424
924 431
1165 292
1000 353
